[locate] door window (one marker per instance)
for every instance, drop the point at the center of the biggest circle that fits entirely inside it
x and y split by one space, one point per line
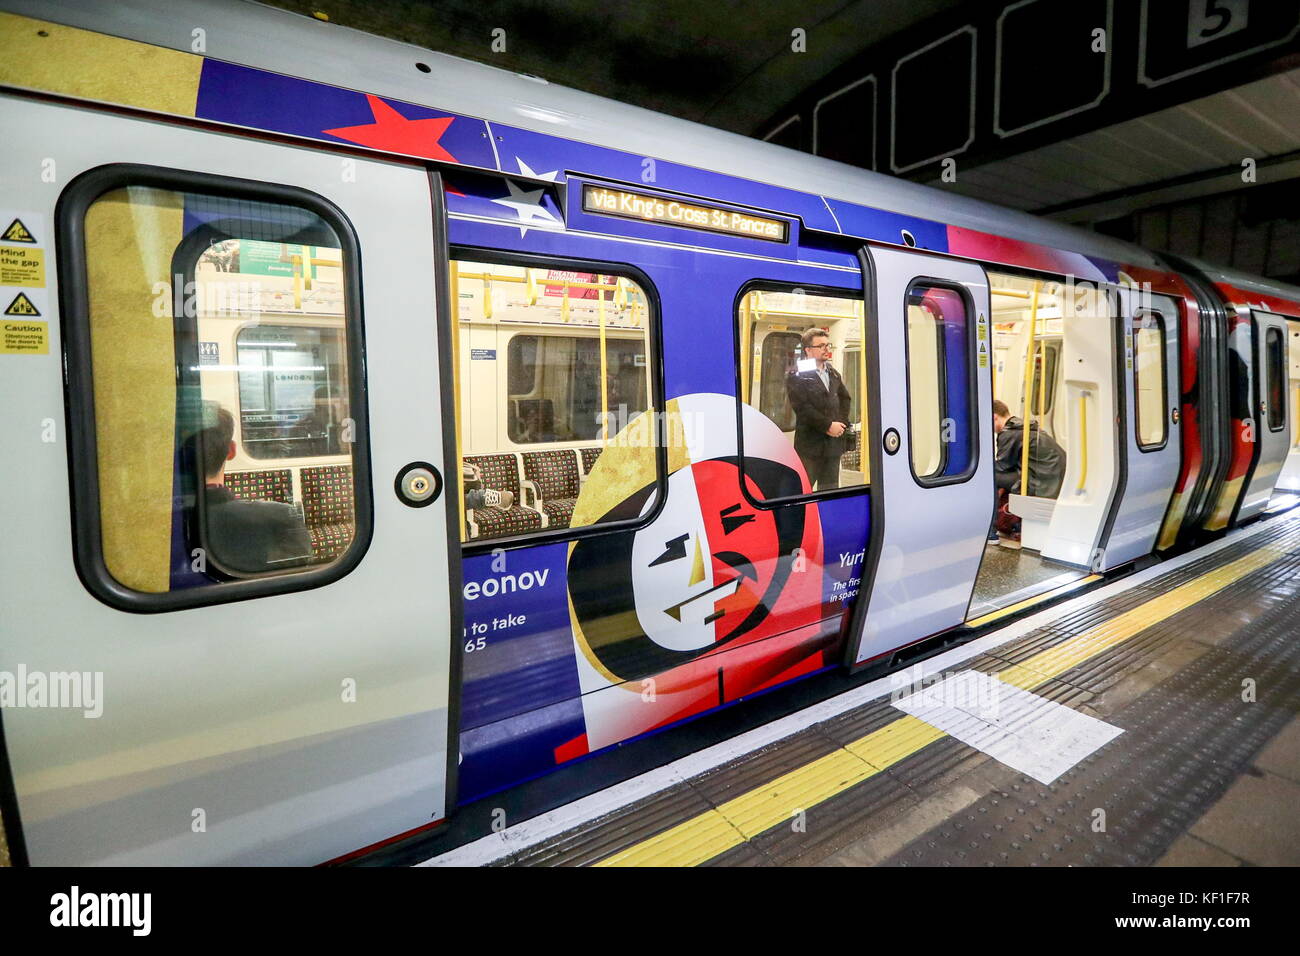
215 338
1149 379
939 383
1276 361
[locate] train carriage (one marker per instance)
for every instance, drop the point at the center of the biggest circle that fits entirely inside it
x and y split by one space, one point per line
382 439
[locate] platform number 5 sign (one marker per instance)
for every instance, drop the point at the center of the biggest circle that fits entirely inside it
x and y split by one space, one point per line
1209 20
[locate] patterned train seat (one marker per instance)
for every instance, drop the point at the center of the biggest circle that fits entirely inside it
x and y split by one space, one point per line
271 485
502 473
589 456
327 506
852 460
555 474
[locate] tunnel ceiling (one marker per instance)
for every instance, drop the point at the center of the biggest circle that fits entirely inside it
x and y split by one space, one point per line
727 64
1144 141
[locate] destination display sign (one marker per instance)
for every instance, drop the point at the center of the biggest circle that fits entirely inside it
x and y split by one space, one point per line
675 212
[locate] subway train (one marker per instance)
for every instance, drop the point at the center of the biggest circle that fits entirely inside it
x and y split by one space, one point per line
384 430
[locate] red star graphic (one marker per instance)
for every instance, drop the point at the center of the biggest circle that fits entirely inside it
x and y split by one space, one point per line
394 132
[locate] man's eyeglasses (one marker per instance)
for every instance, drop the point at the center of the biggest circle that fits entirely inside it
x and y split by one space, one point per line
825 345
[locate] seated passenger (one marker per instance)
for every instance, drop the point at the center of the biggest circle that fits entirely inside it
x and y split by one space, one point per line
1046 470
1046 457
244 536
476 496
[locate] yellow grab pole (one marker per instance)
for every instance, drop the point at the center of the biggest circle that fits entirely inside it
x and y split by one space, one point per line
1083 442
454 319
1042 386
1028 390
863 462
604 360
745 348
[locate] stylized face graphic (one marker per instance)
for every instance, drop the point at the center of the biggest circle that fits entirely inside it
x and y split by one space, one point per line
706 572
714 599
704 566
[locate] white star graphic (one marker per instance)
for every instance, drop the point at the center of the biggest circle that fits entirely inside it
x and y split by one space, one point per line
528 204
526 170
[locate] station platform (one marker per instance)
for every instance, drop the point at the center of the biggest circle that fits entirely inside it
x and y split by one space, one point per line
1151 721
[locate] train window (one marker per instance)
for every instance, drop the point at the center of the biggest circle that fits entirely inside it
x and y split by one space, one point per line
795 376
188 349
938 383
1046 364
292 390
554 391
1276 380
554 386
1149 379
779 352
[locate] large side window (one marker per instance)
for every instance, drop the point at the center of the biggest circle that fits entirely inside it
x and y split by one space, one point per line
940 407
1149 379
214 347
292 390
800 390
1047 363
555 373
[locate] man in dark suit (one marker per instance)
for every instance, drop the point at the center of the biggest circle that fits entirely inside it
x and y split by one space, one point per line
247 537
821 407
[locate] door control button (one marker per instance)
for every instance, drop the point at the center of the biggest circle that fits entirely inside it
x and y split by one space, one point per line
418 484
892 441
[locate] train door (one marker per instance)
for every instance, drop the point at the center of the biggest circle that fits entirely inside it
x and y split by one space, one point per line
932 464
1272 421
1151 441
220 558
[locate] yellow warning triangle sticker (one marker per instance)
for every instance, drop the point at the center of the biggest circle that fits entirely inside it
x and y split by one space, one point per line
21 305
17 232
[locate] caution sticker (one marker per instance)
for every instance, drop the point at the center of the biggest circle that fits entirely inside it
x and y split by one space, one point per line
22 305
24 337
17 231
24 322
24 311
24 267
22 248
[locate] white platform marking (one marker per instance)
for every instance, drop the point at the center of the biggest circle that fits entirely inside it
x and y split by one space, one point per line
1032 734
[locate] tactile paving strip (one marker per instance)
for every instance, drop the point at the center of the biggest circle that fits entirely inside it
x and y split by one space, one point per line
1186 740
1028 822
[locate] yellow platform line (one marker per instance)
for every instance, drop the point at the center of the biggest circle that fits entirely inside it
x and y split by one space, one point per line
1030 602
730 824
